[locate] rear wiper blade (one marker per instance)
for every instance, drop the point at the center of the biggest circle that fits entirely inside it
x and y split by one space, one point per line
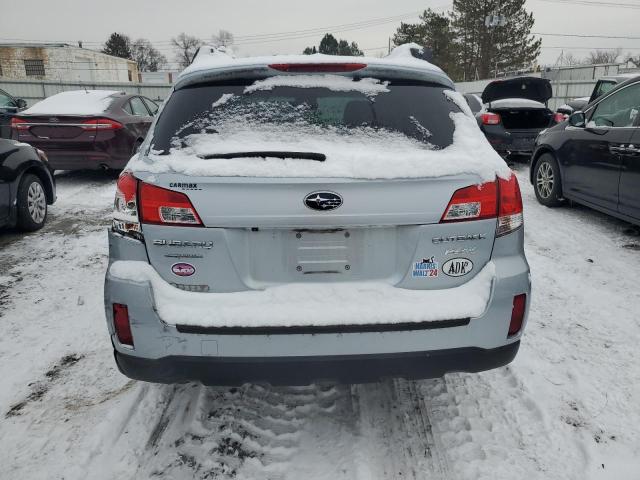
318 157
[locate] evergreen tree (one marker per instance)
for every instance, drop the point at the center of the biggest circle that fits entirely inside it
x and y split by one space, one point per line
329 45
118 45
486 51
434 32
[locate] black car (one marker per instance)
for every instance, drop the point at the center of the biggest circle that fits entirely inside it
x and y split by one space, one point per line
26 186
594 157
515 112
602 86
9 106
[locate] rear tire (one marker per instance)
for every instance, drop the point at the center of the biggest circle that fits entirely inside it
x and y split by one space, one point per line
32 204
547 182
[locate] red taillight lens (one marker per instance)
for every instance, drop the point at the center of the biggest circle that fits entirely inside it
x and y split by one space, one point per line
517 313
317 67
19 124
476 202
490 118
161 206
560 117
510 206
125 208
101 124
121 324
500 199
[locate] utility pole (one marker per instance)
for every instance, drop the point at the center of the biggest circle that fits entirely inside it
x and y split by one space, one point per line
389 49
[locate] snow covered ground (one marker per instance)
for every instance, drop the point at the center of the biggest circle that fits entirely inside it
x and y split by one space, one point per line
567 408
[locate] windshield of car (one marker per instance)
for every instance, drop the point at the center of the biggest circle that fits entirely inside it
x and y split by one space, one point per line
349 109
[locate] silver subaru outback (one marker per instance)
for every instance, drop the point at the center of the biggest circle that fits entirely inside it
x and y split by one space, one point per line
292 219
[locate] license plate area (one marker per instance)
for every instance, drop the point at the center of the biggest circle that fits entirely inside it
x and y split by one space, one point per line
317 252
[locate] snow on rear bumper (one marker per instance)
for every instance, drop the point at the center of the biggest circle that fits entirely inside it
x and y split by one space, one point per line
301 305
155 339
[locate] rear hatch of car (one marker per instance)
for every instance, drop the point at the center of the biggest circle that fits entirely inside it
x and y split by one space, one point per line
233 197
260 233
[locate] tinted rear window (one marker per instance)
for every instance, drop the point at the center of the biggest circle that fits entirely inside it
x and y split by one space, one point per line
418 110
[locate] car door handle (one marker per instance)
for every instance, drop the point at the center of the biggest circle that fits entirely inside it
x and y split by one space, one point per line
631 150
617 149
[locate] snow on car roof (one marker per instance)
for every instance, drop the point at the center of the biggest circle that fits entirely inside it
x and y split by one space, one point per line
211 60
74 102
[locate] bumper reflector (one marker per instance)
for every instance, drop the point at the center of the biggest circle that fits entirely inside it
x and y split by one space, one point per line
121 324
517 314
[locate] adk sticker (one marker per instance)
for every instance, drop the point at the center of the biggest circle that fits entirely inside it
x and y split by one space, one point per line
457 267
427 267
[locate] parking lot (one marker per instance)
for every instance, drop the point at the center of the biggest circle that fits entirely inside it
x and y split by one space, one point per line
566 407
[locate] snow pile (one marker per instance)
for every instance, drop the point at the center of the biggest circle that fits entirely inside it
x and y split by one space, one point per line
337 83
357 303
364 152
74 102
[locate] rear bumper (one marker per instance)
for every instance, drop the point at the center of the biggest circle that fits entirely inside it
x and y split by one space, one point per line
305 370
517 141
84 160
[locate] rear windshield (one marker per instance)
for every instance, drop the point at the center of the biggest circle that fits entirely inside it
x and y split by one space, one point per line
419 111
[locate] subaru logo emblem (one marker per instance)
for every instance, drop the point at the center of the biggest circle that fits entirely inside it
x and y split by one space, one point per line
323 201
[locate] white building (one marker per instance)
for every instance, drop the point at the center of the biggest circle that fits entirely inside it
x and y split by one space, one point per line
63 62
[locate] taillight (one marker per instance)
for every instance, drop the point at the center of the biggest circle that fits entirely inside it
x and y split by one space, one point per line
501 199
161 206
101 124
19 124
510 206
317 67
476 202
125 211
490 118
121 324
560 117
517 313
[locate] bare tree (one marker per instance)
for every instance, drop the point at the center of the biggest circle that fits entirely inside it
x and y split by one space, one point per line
224 38
146 56
186 47
571 60
604 56
635 59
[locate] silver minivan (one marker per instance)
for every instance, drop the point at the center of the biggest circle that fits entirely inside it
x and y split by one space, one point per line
292 219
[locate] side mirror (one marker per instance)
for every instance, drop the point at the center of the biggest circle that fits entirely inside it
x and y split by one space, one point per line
577 119
21 103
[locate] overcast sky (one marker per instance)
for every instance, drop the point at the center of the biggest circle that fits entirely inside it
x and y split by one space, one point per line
159 20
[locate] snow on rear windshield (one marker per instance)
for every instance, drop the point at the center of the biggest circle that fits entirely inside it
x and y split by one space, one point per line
300 106
410 130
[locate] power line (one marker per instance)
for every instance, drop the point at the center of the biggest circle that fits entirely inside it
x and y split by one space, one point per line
594 4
